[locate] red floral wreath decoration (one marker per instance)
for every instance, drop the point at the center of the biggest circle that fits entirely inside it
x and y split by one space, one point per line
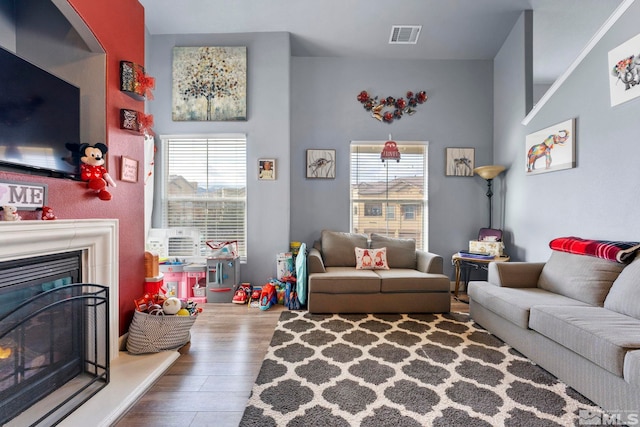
398 106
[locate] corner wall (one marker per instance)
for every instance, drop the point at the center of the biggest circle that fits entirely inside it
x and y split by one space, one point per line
597 199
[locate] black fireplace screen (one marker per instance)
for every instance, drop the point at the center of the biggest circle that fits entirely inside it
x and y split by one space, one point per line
53 336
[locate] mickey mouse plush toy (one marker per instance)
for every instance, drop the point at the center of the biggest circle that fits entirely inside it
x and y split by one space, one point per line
93 171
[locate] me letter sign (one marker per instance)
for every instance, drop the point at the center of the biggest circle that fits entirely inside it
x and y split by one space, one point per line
23 195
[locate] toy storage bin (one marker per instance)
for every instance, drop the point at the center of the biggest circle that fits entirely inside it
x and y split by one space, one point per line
152 285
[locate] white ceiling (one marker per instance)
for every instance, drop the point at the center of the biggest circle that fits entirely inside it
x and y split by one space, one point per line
451 29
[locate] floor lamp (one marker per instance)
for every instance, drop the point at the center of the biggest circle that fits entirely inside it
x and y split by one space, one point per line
489 173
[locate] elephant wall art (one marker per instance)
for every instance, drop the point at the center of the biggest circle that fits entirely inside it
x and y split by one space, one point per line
551 149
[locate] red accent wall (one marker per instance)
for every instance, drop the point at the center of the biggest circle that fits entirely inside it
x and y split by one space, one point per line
119 27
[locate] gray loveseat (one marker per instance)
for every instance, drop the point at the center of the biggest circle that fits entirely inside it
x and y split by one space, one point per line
576 316
414 282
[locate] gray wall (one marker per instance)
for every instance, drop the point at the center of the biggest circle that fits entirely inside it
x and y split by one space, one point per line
326 114
267 129
599 198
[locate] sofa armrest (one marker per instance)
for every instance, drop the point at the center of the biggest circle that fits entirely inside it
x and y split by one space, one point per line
428 262
515 274
315 263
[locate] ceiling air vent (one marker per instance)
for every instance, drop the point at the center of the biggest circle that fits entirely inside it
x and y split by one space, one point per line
405 34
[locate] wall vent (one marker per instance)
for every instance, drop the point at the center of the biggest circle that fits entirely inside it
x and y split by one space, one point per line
405 34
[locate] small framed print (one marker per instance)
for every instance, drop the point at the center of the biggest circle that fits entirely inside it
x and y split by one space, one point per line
129 170
267 169
460 162
321 164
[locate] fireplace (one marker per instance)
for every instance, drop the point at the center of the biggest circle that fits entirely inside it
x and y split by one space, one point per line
52 330
67 325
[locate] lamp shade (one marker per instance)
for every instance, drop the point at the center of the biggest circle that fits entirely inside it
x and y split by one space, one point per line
489 172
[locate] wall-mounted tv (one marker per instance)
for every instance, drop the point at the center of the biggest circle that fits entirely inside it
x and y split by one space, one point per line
39 119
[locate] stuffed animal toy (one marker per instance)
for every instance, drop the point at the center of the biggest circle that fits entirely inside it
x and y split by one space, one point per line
47 214
10 213
93 171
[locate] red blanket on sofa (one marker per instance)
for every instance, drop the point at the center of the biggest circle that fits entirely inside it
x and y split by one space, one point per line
611 250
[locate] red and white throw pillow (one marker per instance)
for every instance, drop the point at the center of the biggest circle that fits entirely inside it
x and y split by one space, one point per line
371 259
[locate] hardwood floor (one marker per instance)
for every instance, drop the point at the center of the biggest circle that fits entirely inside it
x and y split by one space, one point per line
210 383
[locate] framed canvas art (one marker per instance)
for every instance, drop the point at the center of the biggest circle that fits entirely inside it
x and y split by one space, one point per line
551 149
209 83
321 164
459 162
624 70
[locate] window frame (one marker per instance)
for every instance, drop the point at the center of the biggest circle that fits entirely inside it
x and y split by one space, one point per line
210 198
421 205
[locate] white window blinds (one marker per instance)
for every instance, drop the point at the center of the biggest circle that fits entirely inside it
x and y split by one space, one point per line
390 198
205 186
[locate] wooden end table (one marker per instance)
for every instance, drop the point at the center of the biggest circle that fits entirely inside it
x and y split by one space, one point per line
460 261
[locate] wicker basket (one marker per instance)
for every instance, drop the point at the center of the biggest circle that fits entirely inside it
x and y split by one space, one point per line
152 334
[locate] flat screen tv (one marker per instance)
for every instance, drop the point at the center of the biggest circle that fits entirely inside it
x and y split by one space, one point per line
39 120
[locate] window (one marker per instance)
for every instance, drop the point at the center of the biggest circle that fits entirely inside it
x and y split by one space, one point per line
409 212
204 187
391 211
380 188
373 209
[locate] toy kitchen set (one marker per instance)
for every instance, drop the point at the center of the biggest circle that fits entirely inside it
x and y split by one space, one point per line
186 271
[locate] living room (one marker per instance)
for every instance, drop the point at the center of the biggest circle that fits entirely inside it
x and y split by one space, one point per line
300 103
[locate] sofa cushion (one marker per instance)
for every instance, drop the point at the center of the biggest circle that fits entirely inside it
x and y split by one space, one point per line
514 304
600 335
624 295
401 253
371 259
632 367
581 277
408 280
338 249
344 280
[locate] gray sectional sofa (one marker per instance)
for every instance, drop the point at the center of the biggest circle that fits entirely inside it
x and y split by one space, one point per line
576 316
414 282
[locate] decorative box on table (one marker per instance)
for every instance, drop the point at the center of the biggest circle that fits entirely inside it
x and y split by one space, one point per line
486 247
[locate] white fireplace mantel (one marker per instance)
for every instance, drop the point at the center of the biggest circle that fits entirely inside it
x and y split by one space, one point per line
96 238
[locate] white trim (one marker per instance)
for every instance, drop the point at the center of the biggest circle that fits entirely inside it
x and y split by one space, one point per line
594 40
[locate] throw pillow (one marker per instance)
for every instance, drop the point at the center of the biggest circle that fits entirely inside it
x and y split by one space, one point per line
400 252
337 248
371 259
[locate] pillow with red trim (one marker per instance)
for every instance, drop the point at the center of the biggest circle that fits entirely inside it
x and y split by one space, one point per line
371 259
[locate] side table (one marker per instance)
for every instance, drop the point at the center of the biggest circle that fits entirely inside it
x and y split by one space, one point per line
461 262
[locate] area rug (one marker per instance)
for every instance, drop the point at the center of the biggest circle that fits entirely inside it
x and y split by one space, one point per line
402 370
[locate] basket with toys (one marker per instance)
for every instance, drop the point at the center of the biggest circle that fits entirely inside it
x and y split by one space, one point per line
161 323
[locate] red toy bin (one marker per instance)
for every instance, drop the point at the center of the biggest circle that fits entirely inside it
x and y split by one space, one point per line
152 285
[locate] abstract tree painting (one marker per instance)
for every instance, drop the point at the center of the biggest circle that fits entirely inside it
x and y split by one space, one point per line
209 83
